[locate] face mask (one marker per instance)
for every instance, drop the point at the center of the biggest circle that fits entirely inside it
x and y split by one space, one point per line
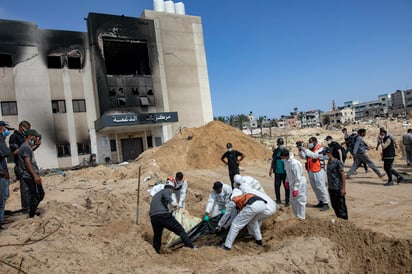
329 142
311 145
281 147
229 149
6 133
31 142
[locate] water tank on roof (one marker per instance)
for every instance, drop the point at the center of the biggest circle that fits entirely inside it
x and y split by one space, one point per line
169 7
180 8
158 5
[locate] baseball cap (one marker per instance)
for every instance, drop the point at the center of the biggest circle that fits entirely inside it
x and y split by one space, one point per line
326 150
328 138
6 125
32 132
229 145
217 185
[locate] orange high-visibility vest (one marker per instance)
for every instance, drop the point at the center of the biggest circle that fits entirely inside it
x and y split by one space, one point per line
314 164
241 200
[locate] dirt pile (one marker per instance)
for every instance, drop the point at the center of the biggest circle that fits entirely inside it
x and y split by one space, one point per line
201 148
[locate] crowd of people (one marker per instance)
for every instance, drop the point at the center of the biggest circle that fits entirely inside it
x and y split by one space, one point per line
22 144
246 204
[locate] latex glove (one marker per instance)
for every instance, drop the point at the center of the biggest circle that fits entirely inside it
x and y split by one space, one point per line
287 185
295 192
223 211
218 229
206 218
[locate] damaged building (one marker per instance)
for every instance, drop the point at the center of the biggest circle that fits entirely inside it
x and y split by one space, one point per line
122 87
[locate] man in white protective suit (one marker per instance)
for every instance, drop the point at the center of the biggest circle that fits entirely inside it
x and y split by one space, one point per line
219 198
252 182
251 209
297 183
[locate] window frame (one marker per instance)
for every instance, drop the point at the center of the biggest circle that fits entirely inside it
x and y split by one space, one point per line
9 112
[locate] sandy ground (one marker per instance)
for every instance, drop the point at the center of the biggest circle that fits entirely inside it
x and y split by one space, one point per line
88 220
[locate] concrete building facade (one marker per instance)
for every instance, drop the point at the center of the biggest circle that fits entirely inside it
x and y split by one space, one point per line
125 85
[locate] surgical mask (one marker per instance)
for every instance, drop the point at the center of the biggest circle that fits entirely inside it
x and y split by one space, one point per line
229 149
311 145
31 142
329 142
282 147
6 133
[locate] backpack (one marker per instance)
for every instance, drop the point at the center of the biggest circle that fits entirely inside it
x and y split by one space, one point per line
335 146
350 141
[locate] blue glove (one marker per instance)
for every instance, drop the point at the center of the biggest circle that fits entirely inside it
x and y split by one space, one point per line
206 218
223 211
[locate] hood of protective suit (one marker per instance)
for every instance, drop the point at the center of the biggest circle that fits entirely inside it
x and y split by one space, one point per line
238 179
236 192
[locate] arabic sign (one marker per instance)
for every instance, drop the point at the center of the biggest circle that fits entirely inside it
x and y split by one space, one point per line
113 120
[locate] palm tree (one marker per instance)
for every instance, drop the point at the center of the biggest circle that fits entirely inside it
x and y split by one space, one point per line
241 118
232 120
260 124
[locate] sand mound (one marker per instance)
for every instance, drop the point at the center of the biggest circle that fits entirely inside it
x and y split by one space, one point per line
201 148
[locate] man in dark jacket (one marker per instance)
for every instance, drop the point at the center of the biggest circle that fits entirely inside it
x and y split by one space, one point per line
388 155
15 141
4 171
161 217
278 168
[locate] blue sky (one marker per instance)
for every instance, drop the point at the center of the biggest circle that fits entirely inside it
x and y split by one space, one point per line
270 56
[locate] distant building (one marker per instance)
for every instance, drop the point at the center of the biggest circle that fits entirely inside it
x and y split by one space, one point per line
310 119
401 105
371 109
125 85
339 117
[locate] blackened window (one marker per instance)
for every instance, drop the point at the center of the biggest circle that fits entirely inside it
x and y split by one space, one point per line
83 148
6 60
113 145
74 62
54 62
149 141
9 108
63 150
59 106
79 105
126 57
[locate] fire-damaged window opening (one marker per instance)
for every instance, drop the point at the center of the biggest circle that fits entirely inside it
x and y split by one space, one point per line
63 150
126 57
9 108
79 105
59 106
135 91
6 60
121 102
54 61
74 62
83 148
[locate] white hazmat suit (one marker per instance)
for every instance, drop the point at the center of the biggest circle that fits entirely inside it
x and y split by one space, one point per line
297 181
252 182
218 201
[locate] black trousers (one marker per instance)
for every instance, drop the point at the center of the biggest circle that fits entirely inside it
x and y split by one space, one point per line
279 179
161 221
387 166
338 203
232 174
36 195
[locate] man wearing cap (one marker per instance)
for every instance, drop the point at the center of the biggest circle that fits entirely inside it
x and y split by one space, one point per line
161 217
337 149
4 171
219 198
15 141
336 184
31 175
278 168
232 160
